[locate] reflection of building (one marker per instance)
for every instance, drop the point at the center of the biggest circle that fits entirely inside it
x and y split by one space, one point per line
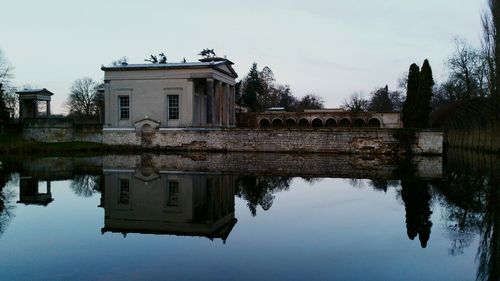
29 192
168 203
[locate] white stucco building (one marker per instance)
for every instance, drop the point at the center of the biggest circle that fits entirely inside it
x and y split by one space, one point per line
166 96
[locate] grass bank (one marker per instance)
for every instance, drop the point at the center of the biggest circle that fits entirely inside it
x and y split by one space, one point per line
15 144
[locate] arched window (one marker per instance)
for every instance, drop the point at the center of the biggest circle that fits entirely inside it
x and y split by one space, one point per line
278 123
290 122
331 123
345 122
359 122
264 123
317 123
303 122
374 123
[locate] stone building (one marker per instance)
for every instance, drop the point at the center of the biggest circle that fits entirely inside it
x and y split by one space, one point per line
164 96
34 103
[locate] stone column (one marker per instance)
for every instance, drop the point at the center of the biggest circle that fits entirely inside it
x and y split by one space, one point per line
48 109
217 120
35 108
232 116
226 105
210 100
21 109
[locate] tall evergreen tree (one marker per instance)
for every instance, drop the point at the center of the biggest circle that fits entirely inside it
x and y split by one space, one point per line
409 106
252 88
4 111
424 97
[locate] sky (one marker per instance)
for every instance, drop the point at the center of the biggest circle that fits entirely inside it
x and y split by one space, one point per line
331 48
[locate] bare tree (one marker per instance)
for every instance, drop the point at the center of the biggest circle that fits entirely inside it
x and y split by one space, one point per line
356 103
311 101
6 71
83 99
468 70
9 92
488 45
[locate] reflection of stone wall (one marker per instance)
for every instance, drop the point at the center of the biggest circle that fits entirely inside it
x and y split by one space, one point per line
367 141
306 165
60 168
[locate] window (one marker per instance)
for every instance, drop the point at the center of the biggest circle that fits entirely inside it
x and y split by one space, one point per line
173 194
173 107
123 197
124 108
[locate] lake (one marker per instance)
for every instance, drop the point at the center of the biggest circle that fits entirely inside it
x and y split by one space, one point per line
250 217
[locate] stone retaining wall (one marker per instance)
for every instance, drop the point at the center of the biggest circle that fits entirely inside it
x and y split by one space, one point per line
61 130
352 140
474 124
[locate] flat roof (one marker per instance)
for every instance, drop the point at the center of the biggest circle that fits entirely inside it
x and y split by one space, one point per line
168 65
42 91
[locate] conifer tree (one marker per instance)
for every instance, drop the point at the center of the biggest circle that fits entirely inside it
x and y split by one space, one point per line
424 97
409 106
252 88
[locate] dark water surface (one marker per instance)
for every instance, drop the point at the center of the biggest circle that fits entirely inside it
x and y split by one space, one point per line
250 217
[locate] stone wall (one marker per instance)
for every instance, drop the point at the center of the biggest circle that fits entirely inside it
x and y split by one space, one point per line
352 140
474 124
55 130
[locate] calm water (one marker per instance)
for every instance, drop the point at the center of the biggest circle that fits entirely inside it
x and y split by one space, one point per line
249 217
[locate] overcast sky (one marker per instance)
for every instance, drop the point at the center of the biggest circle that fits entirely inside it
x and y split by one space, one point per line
330 47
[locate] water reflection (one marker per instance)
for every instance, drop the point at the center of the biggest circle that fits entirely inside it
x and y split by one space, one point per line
7 204
471 194
30 193
260 190
194 195
164 202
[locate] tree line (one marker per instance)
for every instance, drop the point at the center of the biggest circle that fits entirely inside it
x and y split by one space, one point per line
258 91
471 73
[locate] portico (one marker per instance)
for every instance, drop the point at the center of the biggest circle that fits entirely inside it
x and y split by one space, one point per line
31 101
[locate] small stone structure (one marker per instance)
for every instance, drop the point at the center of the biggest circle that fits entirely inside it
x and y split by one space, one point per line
29 100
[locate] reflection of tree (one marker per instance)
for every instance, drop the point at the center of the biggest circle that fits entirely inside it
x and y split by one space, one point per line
259 190
311 180
6 202
85 185
471 197
489 247
416 197
356 183
463 196
383 185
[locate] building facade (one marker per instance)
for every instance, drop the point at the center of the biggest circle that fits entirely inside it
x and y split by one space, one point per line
166 96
